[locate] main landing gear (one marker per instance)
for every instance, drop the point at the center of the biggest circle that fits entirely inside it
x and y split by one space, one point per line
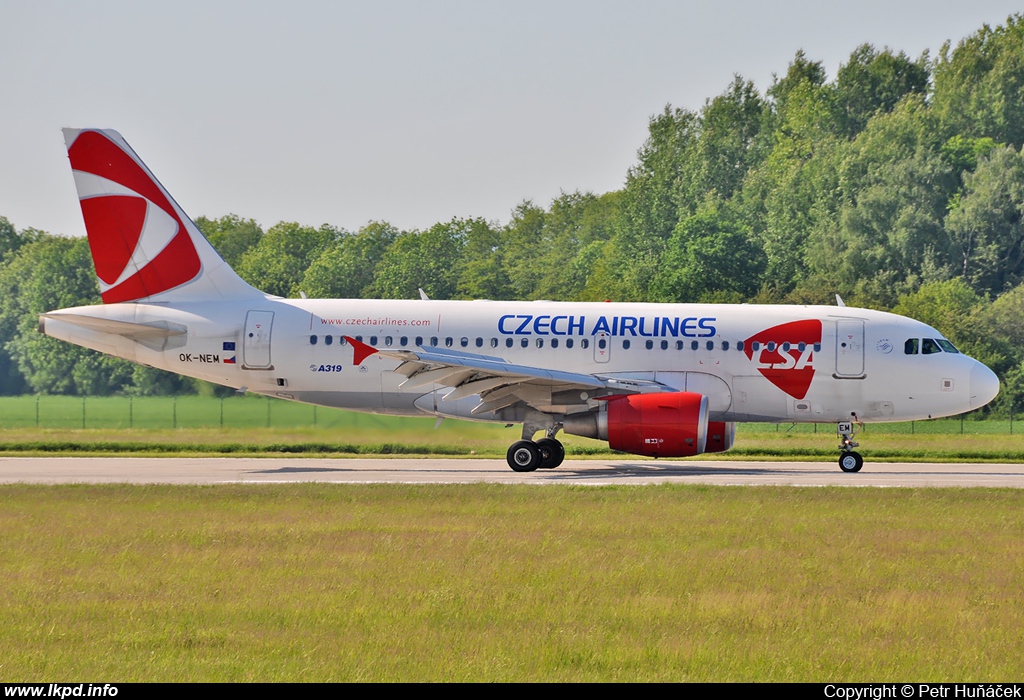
528 456
849 461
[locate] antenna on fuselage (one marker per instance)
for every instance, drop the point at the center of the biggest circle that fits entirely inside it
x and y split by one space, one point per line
839 301
423 295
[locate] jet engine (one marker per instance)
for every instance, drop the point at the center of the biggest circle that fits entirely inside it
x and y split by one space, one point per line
657 425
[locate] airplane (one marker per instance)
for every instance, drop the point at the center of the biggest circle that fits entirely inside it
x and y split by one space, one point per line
661 380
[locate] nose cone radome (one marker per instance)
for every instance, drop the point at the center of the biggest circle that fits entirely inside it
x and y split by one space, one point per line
984 385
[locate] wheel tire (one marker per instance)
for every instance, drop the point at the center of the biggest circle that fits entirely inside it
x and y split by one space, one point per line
523 456
851 462
551 453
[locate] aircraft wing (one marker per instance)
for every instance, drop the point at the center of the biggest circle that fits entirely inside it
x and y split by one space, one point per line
498 382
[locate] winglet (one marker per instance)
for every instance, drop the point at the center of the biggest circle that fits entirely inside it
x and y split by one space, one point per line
361 350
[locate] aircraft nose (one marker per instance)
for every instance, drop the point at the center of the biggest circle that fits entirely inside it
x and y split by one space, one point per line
984 385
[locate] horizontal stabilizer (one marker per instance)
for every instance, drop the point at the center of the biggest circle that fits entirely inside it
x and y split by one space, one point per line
156 335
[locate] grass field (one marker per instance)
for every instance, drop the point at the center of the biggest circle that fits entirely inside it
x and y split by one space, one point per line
256 425
484 583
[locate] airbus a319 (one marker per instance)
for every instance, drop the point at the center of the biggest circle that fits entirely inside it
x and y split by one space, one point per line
663 380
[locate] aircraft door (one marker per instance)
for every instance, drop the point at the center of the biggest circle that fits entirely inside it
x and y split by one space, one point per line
850 348
256 340
602 347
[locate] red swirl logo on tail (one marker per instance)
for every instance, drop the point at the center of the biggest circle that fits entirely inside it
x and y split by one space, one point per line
785 354
139 245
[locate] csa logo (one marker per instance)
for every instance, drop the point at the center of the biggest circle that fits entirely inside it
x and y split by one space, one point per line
785 355
139 245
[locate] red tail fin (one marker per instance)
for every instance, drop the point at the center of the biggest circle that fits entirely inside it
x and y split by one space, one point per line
143 245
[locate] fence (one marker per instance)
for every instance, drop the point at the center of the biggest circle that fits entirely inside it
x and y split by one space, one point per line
250 411
95 412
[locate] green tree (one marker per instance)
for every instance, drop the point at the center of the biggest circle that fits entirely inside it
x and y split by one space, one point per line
986 223
231 236
872 82
979 86
346 269
44 275
279 261
483 275
429 260
712 257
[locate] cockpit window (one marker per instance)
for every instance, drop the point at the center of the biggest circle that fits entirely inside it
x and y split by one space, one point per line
946 345
910 347
929 347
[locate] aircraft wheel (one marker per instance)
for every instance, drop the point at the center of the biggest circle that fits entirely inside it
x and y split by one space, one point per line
523 456
551 453
851 462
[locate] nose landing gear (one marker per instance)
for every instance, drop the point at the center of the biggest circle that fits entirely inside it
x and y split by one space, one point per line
849 461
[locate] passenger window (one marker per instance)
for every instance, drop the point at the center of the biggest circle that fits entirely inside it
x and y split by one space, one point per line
679 345
568 342
479 342
448 342
664 345
817 347
739 345
929 347
508 342
419 340
711 345
373 340
785 346
342 341
328 339
540 342
554 342
312 340
359 338
403 341
602 343
525 342
650 344
464 342
694 345
725 344
801 347
585 344
494 342
433 342
755 346
771 346
387 340
910 347
625 345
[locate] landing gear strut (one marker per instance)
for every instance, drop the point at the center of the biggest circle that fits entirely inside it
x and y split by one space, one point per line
849 461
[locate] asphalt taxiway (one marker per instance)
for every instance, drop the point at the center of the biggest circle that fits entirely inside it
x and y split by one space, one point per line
170 470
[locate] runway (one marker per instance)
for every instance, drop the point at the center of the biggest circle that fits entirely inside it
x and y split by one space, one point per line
150 470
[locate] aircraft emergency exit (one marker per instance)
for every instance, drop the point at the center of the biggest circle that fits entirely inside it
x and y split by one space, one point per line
664 380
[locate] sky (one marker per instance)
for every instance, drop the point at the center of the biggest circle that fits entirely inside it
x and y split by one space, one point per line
408 112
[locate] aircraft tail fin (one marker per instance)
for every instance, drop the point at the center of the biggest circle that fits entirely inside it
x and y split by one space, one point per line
143 245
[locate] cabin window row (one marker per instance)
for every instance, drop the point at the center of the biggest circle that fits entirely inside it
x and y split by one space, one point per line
602 343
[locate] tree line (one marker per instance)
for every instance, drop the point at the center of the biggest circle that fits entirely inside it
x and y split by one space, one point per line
898 184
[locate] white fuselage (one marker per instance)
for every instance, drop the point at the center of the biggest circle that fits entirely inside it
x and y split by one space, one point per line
754 363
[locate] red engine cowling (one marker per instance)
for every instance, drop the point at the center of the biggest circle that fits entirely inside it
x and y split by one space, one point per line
659 425
720 436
